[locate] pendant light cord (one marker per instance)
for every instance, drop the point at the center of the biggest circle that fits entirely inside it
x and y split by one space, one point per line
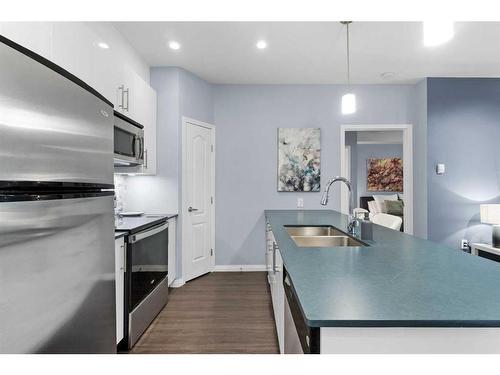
348 58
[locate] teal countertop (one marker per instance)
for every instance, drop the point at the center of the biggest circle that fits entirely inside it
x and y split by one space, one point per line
397 281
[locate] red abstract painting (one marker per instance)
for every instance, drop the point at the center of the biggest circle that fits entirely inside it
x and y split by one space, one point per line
385 174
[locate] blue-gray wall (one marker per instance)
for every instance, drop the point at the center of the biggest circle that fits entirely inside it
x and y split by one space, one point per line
179 93
455 121
195 97
420 159
463 132
367 151
247 116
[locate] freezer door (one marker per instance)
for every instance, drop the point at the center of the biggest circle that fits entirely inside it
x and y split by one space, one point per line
52 129
57 292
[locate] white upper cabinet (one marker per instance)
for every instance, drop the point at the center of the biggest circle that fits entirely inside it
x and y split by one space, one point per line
150 133
142 104
36 36
73 46
137 99
97 58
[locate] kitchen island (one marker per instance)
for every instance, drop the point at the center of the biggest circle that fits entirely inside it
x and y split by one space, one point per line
398 294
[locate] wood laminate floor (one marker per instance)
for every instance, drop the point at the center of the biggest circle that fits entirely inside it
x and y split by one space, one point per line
221 312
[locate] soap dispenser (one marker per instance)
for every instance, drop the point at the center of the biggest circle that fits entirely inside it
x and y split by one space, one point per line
366 228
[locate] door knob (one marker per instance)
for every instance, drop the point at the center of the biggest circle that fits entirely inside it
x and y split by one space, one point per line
191 209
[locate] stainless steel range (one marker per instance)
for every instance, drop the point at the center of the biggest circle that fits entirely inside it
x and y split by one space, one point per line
146 277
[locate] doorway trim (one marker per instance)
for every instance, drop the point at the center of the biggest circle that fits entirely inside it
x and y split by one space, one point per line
407 165
184 204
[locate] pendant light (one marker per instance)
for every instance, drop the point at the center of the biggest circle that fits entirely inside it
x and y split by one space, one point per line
348 99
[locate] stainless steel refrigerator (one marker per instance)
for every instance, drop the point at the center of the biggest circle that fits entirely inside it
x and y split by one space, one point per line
57 292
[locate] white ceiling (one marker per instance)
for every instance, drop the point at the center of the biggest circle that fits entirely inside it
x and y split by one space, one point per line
380 137
314 52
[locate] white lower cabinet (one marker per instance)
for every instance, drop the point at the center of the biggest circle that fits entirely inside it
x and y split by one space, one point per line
279 302
274 264
119 286
171 249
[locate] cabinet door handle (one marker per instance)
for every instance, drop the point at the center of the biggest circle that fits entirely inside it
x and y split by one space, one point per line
145 158
128 95
121 104
274 256
124 268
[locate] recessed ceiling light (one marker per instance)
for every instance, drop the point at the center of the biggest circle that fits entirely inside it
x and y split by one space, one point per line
261 44
437 32
388 75
174 45
102 45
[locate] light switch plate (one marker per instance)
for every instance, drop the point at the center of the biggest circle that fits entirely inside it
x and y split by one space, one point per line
440 168
300 202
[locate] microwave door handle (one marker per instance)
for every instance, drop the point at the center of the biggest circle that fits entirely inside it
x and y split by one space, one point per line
134 143
141 142
137 147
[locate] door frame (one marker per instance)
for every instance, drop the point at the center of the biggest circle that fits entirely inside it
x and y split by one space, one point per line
348 160
407 165
184 204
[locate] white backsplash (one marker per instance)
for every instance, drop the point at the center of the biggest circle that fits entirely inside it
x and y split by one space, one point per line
120 193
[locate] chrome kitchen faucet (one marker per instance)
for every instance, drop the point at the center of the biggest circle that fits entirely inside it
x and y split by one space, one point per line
353 221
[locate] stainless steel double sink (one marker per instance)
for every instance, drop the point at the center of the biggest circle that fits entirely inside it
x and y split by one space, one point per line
321 236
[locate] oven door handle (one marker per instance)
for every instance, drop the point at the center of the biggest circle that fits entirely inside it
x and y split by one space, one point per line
148 233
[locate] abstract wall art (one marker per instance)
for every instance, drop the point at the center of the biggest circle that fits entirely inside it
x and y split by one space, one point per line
385 174
299 159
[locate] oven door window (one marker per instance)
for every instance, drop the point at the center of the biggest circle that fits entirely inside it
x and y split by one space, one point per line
124 142
149 265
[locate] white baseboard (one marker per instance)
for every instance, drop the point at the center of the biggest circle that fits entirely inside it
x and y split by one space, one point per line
177 283
240 268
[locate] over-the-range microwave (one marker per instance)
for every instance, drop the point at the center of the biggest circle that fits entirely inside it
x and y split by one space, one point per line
128 142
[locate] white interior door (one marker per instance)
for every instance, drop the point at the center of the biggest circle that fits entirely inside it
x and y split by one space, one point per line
198 199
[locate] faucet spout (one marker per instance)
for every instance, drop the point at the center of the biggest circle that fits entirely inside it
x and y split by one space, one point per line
326 196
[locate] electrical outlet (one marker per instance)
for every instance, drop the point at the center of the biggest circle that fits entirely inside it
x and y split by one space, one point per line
300 202
464 245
